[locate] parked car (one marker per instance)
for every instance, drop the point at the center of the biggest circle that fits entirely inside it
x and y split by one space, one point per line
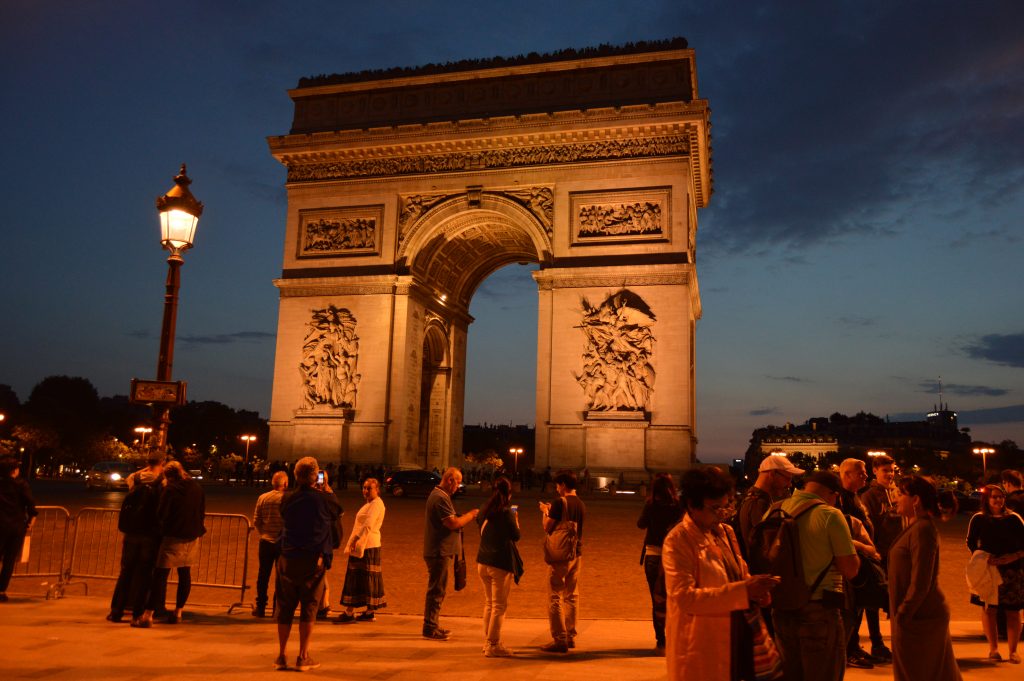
967 503
109 475
414 481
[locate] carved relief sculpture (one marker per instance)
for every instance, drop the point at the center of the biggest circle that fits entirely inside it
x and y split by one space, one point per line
339 231
412 207
617 374
339 235
330 352
622 219
540 201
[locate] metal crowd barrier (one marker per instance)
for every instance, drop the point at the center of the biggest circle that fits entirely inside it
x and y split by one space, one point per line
48 548
222 560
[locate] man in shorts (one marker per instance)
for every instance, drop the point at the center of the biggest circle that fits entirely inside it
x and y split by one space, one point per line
307 548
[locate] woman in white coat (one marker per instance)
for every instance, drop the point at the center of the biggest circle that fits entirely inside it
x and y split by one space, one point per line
364 582
707 580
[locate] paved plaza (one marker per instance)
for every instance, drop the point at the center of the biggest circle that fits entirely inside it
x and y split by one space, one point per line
68 638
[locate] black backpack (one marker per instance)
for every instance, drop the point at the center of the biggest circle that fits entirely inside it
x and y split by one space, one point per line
139 509
775 550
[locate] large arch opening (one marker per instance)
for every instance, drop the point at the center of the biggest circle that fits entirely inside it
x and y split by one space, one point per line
452 251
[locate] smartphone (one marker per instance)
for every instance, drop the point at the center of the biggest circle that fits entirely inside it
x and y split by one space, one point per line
515 508
320 478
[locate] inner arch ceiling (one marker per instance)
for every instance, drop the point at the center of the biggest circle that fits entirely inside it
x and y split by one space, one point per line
466 249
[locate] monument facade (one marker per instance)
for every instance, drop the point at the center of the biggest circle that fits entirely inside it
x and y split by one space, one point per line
407 188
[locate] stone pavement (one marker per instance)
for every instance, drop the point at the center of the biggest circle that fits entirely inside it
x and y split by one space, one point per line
68 639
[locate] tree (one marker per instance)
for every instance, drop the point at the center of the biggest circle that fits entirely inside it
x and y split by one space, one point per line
69 407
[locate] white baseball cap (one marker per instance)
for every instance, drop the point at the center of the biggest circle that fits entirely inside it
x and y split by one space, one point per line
774 462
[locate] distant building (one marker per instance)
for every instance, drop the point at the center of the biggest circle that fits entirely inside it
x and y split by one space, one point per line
930 443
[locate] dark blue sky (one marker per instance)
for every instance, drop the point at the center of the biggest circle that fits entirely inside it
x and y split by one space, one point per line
864 237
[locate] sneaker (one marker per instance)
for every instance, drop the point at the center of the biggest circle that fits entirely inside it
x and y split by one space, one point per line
858 662
304 664
324 614
259 612
345 618
555 647
438 634
498 650
281 662
1014 658
367 616
571 643
112 617
881 652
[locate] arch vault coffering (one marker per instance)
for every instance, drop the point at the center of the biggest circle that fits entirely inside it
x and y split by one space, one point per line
592 165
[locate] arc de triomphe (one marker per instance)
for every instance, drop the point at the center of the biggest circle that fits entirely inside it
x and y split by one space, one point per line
407 188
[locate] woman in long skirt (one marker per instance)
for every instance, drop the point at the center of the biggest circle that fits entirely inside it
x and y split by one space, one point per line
364 582
922 647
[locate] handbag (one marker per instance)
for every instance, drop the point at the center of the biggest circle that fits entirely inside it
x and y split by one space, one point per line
517 563
753 654
460 566
358 547
870 585
26 548
560 545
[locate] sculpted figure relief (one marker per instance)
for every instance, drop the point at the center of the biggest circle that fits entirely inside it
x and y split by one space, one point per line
329 355
617 373
623 219
540 201
339 235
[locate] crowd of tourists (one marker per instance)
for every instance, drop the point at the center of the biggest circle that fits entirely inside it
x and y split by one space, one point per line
776 588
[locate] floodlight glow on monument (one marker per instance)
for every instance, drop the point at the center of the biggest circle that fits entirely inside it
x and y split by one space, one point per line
179 215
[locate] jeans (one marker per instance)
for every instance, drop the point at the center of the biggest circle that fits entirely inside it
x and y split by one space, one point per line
563 594
497 585
268 553
438 568
138 557
656 585
812 642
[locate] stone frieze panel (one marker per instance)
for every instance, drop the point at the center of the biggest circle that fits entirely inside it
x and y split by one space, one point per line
340 231
620 216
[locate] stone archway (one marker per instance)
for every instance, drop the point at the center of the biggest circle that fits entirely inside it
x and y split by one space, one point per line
405 193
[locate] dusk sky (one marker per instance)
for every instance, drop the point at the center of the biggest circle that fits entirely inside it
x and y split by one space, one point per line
864 237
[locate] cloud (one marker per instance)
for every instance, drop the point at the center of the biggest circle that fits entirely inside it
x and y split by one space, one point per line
854 320
1011 414
139 334
789 379
225 338
933 387
1007 350
985 237
841 168
765 411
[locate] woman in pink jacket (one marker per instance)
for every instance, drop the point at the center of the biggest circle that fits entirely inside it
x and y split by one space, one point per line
707 580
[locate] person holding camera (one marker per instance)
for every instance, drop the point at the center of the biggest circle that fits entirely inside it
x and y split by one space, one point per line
312 531
812 637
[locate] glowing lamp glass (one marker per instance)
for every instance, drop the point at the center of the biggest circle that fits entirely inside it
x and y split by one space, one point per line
177 229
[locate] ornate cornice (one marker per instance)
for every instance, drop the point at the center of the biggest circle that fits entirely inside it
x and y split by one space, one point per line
554 278
350 286
486 157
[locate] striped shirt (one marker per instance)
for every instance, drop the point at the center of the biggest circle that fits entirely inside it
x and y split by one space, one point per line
267 518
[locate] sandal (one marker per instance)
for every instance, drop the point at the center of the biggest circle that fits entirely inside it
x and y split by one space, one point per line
995 656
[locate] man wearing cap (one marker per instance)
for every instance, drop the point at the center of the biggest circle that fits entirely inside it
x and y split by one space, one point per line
812 638
774 477
886 524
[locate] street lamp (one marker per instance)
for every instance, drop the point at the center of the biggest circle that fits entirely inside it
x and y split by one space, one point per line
515 452
143 431
984 451
179 216
248 439
877 452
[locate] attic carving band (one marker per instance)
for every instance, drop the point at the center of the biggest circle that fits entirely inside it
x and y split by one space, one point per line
617 149
624 219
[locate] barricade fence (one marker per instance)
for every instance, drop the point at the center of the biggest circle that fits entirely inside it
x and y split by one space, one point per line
222 560
47 547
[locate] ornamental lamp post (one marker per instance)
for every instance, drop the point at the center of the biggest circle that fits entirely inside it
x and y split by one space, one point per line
143 431
179 216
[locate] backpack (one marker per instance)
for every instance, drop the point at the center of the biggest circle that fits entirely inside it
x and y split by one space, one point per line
138 513
560 545
775 550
